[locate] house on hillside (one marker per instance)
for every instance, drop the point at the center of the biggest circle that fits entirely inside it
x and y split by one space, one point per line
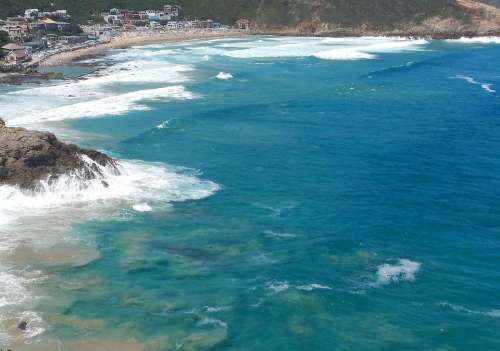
14 53
172 11
49 25
243 24
16 33
31 14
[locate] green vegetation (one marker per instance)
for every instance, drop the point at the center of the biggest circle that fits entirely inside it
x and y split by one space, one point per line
4 38
81 10
382 14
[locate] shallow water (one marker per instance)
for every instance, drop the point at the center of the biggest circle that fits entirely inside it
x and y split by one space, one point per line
276 193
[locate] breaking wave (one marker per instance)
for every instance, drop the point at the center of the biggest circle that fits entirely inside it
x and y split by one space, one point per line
99 91
344 54
136 182
224 76
476 40
108 106
404 269
329 48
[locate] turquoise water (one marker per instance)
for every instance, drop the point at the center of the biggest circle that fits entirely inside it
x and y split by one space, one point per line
324 203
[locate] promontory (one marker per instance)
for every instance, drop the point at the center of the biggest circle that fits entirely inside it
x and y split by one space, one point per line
28 157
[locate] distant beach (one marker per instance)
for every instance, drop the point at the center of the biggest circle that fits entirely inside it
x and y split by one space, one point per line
127 39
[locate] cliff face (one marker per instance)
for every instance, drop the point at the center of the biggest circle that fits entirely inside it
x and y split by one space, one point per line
26 157
436 18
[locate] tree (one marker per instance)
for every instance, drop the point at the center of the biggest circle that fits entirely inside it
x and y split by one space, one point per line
4 38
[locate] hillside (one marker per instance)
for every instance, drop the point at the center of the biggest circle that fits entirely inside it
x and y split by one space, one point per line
419 17
438 18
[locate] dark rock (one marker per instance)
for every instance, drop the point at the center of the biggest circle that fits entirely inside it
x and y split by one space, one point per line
23 325
29 76
27 156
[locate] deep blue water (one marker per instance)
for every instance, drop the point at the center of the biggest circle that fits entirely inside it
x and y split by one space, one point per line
358 207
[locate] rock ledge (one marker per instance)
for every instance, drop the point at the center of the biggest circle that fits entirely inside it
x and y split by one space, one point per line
28 157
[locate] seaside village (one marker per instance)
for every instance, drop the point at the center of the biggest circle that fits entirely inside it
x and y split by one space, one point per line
31 37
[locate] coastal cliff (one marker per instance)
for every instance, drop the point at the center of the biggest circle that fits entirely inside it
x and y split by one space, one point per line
441 19
28 157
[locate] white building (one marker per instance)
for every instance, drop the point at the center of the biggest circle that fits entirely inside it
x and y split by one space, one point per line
31 13
172 10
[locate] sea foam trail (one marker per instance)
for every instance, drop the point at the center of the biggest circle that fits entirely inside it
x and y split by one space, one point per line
108 106
485 86
495 313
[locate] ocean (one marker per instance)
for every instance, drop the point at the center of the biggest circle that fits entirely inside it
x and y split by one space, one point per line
276 193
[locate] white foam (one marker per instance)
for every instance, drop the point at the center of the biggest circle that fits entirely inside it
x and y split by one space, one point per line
404 269
280 235
12 290
396 45
211 309
16 295
72 197
107 83
326 48
311 287
344 54
142 207
163 125
476 40
485 86
224 76
35 325
213 322
278 286
495 313
109 106
136 181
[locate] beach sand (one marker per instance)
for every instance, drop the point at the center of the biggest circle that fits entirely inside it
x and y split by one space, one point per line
128 39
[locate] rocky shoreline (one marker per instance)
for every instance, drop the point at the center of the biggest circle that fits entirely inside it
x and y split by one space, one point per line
32 76
28 157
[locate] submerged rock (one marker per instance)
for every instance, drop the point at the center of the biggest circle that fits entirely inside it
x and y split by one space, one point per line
23 325
27 157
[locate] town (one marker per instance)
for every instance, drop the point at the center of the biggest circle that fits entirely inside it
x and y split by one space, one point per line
28 39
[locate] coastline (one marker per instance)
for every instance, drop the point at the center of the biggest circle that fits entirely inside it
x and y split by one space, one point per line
128 39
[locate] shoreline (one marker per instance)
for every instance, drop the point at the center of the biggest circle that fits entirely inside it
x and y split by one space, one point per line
129 39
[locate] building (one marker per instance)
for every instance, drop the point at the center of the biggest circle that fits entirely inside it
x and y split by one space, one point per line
243 24
14 53
16 32
172 11
49 25
31 14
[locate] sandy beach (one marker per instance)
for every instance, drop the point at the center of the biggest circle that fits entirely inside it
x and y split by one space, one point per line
127 39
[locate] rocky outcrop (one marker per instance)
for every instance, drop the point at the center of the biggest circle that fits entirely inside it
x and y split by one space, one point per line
27 156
